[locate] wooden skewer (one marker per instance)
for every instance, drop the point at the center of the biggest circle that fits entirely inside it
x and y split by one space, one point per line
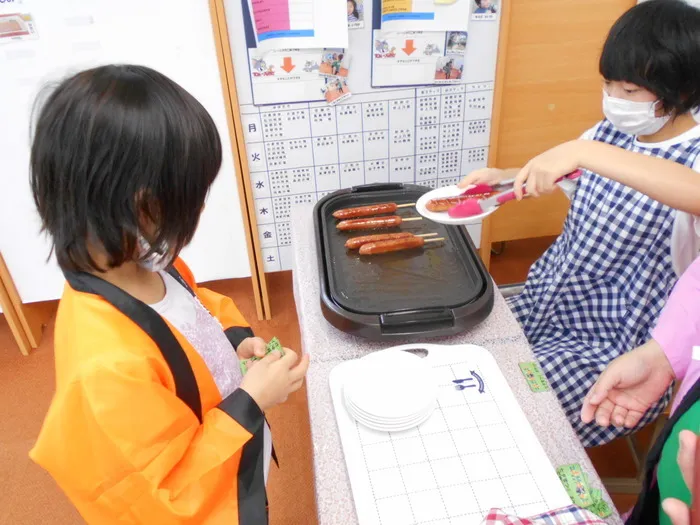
435 240
406 219
406 205
426 235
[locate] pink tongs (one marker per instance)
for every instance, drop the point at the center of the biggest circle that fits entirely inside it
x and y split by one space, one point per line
472 207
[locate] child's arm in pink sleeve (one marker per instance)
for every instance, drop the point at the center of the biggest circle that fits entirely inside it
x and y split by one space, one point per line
678 328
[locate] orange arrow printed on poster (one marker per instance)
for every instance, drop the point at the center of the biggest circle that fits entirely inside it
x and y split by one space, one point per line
287 64
409 47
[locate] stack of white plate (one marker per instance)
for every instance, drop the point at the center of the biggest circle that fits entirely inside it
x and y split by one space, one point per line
391 391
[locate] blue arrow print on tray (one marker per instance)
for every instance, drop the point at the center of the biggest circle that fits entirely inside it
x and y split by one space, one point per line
461 384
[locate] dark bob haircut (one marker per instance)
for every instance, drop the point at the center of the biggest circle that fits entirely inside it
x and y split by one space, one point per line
656 45
114 145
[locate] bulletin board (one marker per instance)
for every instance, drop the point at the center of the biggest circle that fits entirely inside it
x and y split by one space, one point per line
175 37
280 155
299 152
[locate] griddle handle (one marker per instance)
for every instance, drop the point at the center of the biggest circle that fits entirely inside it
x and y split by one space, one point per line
417 321
379 186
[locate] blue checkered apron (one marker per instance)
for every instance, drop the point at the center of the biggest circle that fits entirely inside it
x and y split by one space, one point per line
598 291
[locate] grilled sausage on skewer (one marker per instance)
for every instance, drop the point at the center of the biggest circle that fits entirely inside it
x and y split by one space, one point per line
374 223
355 242
440 205
369 211
395 245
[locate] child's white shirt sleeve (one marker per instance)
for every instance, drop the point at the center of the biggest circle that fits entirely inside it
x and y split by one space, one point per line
685 239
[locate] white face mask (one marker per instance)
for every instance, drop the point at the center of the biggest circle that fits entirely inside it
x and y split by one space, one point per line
633 118
156 261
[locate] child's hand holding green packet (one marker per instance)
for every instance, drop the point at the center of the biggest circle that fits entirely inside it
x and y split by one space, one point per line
273 345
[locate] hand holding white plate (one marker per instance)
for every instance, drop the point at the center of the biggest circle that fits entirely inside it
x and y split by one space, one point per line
443 217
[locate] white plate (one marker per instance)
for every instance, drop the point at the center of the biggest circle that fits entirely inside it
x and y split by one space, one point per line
390 355
390 426
395 428
361 414
443 217
391 389
390 359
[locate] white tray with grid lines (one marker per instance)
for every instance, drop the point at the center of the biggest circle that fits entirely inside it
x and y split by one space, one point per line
477 450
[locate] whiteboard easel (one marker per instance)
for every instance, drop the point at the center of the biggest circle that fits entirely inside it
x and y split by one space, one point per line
182 41
179 40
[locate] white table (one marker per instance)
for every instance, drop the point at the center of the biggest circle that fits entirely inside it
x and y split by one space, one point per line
500 334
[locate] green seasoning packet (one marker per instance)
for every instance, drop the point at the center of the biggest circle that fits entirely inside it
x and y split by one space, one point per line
600 508
572 477
273 345
534 377
575 481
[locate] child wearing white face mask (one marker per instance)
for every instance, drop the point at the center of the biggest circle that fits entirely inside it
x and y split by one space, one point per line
599 289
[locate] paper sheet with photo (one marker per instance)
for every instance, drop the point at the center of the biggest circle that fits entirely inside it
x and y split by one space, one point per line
16 27
356 13
17 22
281 75
287 75
425 15
486 10
406 58
305 24
477 451
416 58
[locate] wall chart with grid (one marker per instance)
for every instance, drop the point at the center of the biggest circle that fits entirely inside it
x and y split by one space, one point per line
298 153
477 451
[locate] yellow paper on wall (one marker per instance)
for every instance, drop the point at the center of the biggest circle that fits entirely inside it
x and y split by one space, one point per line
396 6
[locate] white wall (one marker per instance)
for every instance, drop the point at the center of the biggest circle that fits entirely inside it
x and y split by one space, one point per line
172 36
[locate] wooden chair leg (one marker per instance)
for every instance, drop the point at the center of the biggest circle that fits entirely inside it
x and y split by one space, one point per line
32 317
13 320
485 243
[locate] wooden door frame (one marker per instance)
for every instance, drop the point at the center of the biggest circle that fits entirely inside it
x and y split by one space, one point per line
245 190
26 329
496 111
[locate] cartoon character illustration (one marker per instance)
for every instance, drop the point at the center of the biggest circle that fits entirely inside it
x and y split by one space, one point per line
382 46
310 66
259 65
260 68
431 49
382 49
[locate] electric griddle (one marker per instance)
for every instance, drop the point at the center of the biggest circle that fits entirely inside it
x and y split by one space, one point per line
440 290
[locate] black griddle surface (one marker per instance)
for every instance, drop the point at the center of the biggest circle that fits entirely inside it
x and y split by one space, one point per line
440 275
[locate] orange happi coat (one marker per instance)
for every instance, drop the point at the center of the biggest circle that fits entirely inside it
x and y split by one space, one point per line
118 437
